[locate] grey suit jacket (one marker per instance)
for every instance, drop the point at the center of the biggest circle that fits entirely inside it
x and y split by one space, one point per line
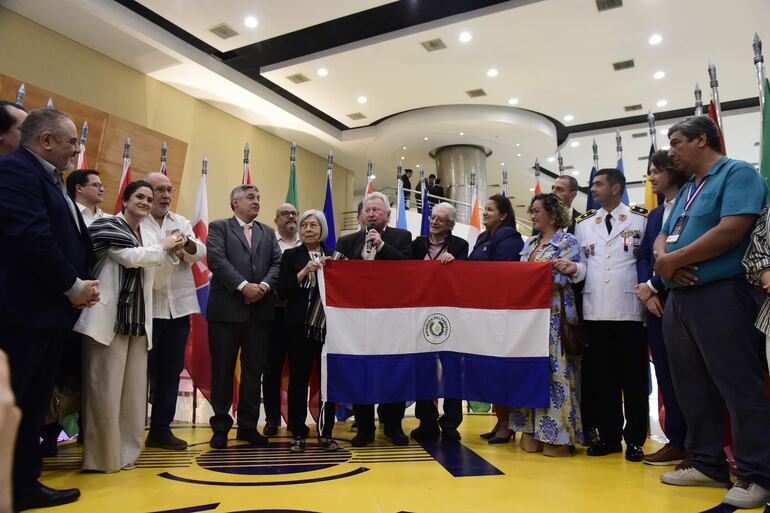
231 262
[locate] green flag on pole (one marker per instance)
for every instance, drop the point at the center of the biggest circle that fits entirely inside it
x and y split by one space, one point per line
764 148
291 194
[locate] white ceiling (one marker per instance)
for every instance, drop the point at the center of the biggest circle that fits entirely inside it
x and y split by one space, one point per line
554 55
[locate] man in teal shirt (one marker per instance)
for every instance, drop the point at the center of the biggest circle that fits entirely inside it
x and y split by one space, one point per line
713 346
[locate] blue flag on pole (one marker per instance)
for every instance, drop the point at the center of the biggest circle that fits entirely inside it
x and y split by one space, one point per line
591 204
425 222
625 191
400 208
331 239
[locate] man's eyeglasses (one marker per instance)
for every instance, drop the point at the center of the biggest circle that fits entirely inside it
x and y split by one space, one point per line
288 213
438 219
97 185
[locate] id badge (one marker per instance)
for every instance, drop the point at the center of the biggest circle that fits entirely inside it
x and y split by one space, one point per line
676 231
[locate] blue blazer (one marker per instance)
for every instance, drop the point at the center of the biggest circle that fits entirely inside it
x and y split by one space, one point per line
645 260
505 245
43 252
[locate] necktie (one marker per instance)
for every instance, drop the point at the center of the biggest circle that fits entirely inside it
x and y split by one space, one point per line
247 233
608 223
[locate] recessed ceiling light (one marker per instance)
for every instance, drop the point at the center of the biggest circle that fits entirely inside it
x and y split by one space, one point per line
418 165
322 72
531 189
402 158
550 159
517 145
250 21
465 37
662 103
518 154
492 72
569 117
655 39
362 99
425 138
575 144
658 75
575 173
461 133
403 147
513 101
502 163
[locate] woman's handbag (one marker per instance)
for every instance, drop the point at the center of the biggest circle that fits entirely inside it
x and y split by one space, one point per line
574 336
65 400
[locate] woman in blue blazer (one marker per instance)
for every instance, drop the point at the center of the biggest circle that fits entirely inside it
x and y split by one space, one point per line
502 243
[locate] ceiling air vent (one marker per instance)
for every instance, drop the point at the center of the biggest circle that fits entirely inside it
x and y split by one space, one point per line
645 158
606 5
298 78
223 30
619 66
631 108
475 93
756 143
567 168
639 135
433 45
355 116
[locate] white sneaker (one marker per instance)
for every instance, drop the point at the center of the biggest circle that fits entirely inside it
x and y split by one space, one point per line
691 476
745 494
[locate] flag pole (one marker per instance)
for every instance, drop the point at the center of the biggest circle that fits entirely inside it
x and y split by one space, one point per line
369 175
163 152
560 160
20 94
82 154
49 105
698 100
618 144
537 177
715 94
246 175
293 153
595 148
473 192
205 165
329 165
505 181
653 135
759 64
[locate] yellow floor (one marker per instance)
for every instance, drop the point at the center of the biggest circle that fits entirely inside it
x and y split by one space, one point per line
380 478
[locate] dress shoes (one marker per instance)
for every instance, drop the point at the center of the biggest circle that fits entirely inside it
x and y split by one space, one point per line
425 432
271 428
634 453
165 441
362 439
666 455
252 436
44 497
397 436
602 448
487 436
450 435
218 440
500 439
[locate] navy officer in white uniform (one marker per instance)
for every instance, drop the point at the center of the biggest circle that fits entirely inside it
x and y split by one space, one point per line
615 366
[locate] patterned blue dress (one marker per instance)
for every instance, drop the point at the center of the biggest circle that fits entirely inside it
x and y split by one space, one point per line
560 424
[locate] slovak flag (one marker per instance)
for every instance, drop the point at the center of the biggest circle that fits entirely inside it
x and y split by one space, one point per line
197 355
470 330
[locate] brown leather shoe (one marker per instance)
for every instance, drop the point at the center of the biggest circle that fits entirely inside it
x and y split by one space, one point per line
666 455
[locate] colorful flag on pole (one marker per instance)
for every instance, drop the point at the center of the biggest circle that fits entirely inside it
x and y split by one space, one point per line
331 239
650 198
197 354
401 207
291 193
246 179
591 204
765 143
624 199
125 176
426 210
713 115
475 222
538 190
82 164
163 151
447 339
369 187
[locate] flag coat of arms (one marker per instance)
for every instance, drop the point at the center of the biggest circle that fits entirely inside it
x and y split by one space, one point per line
468 330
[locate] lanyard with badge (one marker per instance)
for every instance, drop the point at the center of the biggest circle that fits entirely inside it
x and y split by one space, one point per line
692 193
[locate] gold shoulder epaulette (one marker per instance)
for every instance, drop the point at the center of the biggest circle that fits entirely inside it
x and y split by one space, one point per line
585 216
640 210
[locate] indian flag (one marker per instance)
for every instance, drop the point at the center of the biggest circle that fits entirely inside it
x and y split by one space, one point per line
468 330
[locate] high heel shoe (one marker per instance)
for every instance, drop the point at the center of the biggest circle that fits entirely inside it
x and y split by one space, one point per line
500 439
487 436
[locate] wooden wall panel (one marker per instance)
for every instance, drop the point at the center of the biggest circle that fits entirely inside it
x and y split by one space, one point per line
106 133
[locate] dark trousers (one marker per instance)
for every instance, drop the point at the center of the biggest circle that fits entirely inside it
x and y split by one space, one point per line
616 367
225 340
713 351
165 362
33 357
674 424
427 412
391 415
303 352
271 380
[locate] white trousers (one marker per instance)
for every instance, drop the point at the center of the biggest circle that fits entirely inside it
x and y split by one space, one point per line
115 398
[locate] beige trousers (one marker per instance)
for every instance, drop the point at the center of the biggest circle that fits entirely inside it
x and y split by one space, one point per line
115 398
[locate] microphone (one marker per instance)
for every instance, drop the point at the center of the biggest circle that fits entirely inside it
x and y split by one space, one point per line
369 243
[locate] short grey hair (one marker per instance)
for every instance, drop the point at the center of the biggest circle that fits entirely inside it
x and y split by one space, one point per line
40 121
451 211
240 192
321 220
380 196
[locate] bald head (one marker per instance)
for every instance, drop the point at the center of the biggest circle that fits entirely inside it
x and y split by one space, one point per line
286 220
162 190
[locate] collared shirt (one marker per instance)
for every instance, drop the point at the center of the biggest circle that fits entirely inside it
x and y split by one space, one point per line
88 216
286 244
616 213
241 222
668 206
177 297
371 255
435 249
733 187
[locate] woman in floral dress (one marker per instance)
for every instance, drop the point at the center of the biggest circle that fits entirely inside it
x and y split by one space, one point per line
555 429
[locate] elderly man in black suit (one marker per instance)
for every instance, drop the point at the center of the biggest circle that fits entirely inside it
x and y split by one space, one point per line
377 242
439 245
244 258
44 266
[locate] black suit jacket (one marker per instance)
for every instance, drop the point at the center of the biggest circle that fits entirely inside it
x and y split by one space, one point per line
292 262
231 262
43 251
398 245
457 246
